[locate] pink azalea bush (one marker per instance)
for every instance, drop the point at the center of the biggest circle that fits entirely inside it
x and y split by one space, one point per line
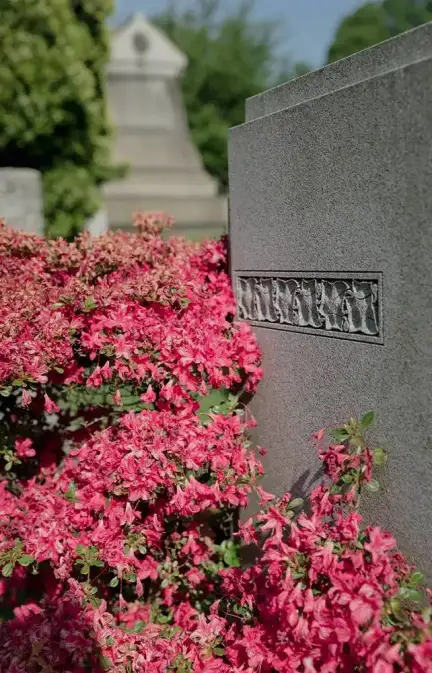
328 594
123 472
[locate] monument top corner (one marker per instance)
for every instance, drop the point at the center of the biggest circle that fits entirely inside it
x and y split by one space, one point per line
138 46
397 52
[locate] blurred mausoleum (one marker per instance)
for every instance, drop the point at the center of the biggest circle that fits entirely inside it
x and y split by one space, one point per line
152 136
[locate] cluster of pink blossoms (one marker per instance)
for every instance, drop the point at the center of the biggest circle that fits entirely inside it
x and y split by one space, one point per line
125 460
328 595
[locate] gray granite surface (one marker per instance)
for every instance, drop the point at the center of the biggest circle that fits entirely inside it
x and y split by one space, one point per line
331 212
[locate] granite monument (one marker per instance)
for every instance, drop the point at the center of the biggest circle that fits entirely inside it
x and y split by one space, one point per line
331 248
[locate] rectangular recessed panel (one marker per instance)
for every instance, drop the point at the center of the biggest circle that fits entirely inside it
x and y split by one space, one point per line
344 305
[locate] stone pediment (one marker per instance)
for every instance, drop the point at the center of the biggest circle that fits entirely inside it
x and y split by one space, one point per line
137 46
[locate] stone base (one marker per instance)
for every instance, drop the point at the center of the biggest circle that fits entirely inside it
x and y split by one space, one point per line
195 216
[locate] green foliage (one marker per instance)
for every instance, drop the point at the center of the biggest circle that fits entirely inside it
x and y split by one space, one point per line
52 102
403 15
365 27
216 402
9 557
375 22
231 57
230 552
352 436
89 558
367 420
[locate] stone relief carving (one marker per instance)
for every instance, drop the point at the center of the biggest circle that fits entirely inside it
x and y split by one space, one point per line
347 306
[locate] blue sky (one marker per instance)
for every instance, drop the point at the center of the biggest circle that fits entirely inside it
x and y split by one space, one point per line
307 26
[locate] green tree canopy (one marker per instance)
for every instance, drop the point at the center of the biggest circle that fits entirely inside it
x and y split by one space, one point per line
231 57
375 22
52 102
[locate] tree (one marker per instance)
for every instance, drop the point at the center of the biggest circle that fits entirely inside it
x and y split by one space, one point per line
375 22
52 102
231 57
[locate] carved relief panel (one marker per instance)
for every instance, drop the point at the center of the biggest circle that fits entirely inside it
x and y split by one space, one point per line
328 304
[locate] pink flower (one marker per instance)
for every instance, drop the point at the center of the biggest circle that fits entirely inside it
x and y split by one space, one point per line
264 496
24 448
50 406
26 610
362 611
380 542
318 436
422 656
26 398
149 396
382 666
195 577
117 398
248 532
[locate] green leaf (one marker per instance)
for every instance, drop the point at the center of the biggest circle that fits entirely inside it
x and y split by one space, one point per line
114 582
164 619
106 663
379 456
219 651
297 502
417 578
297 574
89 304
26 560
409 594
372 486
70 494
367 420
7 569
356 441
231 558
395 606
339 435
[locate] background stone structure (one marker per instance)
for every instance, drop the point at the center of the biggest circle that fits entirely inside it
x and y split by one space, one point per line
331 246
98 225
165 168
21 200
